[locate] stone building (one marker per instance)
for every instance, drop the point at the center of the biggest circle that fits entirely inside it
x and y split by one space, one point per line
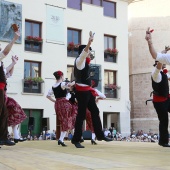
142 14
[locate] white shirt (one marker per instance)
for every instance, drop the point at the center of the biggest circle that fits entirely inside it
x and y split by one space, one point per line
81 60
2 56
156 75
101 95
163 58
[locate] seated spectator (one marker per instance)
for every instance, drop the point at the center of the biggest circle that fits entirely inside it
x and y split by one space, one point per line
106 132
47 135
70 136
53 135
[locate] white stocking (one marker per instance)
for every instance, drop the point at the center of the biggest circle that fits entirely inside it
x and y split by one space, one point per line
62 135
16 131
93 136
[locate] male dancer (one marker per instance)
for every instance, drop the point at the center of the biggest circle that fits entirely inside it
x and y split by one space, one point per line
161 101
3 109
84 95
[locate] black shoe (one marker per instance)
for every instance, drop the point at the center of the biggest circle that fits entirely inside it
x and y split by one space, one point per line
93 142
165 145
61 143
81 140
77 144
107 139
7 142
19 140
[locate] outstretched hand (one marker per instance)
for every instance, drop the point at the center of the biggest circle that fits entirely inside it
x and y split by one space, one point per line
148 36
91 37
14 59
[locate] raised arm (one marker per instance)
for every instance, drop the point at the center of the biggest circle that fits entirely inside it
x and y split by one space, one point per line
148 38
10 68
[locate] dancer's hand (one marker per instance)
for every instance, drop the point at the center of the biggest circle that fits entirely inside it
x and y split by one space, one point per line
14 59
148 36
91 37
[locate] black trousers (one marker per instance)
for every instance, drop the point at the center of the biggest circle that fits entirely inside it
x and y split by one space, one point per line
87 100
162 109
3 117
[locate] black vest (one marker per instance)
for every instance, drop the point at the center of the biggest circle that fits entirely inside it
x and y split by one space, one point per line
2 75
82 76
161 88
59 92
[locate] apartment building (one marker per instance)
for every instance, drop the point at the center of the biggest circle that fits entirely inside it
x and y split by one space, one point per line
51 31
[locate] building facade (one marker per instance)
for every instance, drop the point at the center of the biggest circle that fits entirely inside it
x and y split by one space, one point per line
156 16
50 34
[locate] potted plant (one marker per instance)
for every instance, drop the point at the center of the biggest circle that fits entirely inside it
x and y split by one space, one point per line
72 47
36 39
33 80
112 51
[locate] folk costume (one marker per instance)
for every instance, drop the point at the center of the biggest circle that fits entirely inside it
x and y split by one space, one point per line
3 108
85 98
161 103
16 114
63 107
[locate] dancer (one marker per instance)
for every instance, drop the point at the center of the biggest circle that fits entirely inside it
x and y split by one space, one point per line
161 101
16 114
63 107
89 124
3 110
84 95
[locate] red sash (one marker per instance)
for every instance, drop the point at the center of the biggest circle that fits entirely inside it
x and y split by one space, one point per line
86 88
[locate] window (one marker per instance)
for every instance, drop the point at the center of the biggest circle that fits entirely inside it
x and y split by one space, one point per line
109 43
75 4
110 82
33 40
73 37
109 9
32 70
70 73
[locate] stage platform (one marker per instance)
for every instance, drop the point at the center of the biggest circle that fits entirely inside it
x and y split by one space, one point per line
116 155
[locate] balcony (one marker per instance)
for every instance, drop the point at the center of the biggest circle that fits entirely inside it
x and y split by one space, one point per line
110 57
112 91
33 87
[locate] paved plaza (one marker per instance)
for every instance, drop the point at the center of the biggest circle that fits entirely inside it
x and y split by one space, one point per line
47 155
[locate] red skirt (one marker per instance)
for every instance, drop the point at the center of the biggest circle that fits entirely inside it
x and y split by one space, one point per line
74 114
63 109
16 114
89 123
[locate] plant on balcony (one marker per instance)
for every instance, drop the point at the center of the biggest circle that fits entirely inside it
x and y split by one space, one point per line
31 38
71 46
112 86
111 51
33 80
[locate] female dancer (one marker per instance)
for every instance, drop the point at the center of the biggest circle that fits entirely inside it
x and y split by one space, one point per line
16 114
63 107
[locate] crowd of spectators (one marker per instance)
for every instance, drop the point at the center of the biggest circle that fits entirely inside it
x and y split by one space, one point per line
138 136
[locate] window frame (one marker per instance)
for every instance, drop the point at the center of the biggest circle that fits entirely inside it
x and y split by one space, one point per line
32 43
110 57
74 52
109 92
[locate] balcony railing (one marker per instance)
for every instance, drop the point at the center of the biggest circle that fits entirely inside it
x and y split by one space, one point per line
33 87
112 92
110 57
